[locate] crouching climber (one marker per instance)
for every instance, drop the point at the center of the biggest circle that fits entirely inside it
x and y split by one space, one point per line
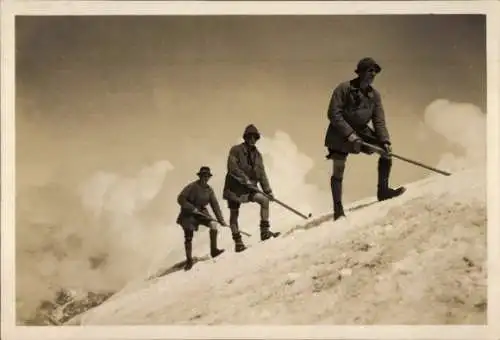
193 200
245 170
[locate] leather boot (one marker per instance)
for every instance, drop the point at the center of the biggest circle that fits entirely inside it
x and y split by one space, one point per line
265 233
384 192
239 246
214 251
188 247
338 208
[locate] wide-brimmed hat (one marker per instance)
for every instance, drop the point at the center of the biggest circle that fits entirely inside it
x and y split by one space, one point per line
204 171
367 63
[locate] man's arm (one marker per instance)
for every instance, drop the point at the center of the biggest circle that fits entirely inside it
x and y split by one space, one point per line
336 109
182 199
378 120
264 180
233 165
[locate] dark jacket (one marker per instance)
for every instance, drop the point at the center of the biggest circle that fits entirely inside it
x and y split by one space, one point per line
196 195
245 163
350 110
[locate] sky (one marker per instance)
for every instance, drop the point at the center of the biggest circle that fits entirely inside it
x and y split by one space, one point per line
115 114
135 85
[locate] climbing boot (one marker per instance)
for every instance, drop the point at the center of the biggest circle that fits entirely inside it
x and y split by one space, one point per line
239 246
384 192
214 251
265 233
338 211
388 193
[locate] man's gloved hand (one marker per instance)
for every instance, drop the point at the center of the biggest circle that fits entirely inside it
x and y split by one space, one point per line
387 147
196 211
270 195
251 185
356 142
223 223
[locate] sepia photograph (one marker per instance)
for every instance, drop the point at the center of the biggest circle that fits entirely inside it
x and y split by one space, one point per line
243 170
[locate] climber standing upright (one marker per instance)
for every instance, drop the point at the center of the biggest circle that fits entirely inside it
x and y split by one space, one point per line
353 105
245 170
193 200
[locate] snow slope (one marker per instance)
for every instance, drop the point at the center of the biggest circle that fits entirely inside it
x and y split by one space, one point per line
417 259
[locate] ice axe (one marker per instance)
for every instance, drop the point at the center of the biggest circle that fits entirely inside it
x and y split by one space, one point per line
214 220
274 199
383 152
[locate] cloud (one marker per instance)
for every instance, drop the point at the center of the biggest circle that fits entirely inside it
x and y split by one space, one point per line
464 126
103 234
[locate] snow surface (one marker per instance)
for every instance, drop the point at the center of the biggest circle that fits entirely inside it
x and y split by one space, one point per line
416 259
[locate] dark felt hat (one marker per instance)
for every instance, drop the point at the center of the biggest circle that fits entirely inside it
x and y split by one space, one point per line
251 130
367 63
204 171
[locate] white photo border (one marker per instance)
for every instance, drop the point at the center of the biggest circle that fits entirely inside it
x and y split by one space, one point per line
10 9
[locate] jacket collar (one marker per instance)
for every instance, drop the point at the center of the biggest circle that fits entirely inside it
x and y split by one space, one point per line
355 85
247 148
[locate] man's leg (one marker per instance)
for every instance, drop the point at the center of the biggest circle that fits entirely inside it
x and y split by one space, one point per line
188 245
384 168
214 251
234 211
336 181
264 225
384 192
